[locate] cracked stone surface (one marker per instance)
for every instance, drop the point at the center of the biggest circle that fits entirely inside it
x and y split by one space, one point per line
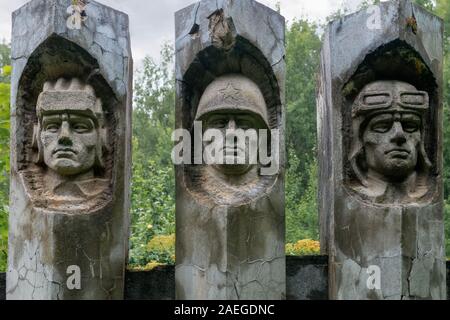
230 236
306 279
380 222
48 234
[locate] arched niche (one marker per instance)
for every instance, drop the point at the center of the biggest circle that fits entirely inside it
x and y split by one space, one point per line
395 61
58 58
242 58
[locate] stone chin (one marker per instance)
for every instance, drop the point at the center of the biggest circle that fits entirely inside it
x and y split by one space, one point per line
67 167
398 169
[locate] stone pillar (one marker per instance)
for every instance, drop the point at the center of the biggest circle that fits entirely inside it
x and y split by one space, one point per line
70 151
380 153
230 229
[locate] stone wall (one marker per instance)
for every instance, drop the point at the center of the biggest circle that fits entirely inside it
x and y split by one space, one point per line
306 280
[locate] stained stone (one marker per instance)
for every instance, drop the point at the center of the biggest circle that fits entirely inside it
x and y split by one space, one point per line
230 71
380 152
70 151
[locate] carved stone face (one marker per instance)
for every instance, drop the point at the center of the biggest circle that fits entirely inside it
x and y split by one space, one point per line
70 133
388 115
392 143
234 104
69 142
229 124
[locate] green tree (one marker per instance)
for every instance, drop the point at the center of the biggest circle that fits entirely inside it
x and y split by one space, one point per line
303 46
153 188
301 213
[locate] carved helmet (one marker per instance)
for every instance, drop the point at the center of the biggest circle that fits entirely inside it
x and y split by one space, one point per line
233 93
70 96
380 97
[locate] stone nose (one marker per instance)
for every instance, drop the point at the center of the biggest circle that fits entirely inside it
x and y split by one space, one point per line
64 134
399 136
231 124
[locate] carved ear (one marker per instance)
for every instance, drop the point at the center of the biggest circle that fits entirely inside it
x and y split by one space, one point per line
358 163
426 161
36 144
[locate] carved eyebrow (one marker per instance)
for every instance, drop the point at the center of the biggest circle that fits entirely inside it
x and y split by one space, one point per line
382 117
217 115
244 116
409 116
51 118
79 118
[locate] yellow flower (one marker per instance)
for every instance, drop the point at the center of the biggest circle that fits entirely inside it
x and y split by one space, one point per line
152 265
303 247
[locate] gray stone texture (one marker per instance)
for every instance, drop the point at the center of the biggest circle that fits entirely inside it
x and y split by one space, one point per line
230 232
72 209
307 279
394 222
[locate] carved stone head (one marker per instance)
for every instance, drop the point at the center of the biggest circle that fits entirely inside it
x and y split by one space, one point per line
388 148
70 135
230 103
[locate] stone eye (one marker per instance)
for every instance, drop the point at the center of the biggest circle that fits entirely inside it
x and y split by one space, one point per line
244 124
52 127
81 127
410 126
382 126
218 123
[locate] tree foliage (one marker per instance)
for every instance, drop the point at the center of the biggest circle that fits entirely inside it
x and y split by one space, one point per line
153 186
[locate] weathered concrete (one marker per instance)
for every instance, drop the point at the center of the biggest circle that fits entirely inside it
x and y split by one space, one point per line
380 152
70 151
230 218
307 279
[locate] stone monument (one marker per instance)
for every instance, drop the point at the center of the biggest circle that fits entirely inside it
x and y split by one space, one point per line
230 227
70 151
380 153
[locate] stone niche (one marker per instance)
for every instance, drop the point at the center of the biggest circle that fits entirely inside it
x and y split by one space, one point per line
230 72
380 152
70 152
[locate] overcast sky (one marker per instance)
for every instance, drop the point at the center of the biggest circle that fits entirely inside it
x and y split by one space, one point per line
152 22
